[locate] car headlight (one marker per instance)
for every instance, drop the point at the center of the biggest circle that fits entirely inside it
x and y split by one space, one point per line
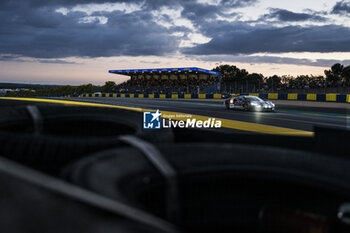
231 101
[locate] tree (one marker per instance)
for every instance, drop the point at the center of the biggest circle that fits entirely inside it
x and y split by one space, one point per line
273 82
334 74
87 88
109 86
255 79
231 73
316 81
302 80
346 74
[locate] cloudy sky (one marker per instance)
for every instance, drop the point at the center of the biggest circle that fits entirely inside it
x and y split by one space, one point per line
78 41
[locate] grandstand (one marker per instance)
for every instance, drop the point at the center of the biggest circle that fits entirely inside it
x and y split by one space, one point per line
187 80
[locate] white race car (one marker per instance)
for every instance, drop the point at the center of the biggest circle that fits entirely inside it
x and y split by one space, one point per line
249 103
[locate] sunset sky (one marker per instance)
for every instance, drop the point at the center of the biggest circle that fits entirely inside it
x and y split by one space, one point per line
78 41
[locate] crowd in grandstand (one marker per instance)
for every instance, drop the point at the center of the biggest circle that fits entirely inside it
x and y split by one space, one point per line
209 85
181 86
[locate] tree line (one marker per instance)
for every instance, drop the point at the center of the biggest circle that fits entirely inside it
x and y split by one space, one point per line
66 90
233 77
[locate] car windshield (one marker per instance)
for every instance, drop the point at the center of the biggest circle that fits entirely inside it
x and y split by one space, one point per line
254 98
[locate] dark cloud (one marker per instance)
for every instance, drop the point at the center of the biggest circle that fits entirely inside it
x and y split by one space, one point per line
341 7
150 3
69 3
18 58
272 59
64 3
41 32
193 5
55 61
236 3
244 39
35 29
289 16
10 57
201 13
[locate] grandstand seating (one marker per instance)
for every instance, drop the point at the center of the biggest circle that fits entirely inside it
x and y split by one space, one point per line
180 86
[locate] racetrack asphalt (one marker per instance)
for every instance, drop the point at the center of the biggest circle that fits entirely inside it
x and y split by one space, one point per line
288 119
287 116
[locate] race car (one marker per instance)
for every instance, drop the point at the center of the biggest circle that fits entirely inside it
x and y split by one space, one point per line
249 103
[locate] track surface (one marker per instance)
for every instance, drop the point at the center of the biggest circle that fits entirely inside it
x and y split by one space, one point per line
287 116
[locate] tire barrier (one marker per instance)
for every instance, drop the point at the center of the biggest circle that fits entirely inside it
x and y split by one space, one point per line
49 136
220 187
345 98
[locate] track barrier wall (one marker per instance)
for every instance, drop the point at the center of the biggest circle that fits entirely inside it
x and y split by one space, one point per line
270 96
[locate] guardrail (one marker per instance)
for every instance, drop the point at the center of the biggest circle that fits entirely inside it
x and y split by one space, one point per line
271 96
157 96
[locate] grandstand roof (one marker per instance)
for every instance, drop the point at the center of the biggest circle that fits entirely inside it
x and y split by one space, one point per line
159 70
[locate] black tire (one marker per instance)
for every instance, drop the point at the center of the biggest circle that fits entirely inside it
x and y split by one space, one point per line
222 186
67 133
